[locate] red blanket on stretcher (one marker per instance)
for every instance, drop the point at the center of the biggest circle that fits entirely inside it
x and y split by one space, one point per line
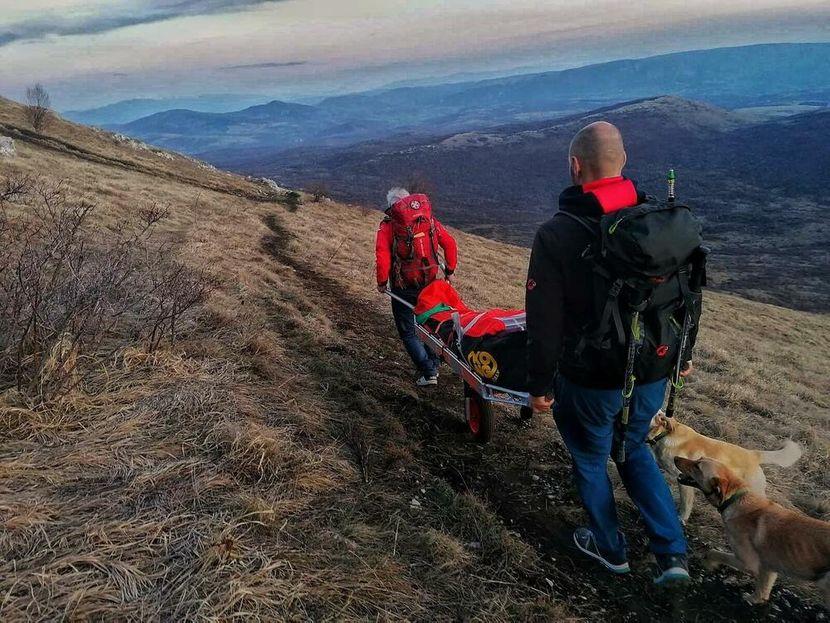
439 301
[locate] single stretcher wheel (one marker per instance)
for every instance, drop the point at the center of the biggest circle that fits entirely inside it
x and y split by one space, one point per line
479 414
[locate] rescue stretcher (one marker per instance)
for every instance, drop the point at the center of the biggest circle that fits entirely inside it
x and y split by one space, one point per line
479 395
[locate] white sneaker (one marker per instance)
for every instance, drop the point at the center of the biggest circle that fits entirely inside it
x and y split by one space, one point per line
587 544
425 381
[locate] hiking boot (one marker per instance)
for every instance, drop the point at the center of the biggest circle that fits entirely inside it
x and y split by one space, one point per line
674 568
587 544
427 379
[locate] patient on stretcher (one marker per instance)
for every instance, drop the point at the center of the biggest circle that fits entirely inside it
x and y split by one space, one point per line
492 342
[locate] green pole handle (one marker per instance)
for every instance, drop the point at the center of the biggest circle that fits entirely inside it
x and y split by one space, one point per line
671 180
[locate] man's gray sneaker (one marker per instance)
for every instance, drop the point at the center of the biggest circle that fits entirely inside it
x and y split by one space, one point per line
426 381
587 544
674 569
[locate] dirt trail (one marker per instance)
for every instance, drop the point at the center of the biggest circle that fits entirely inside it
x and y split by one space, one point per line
524 475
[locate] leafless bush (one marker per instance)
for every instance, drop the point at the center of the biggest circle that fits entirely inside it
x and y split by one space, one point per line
318 190
358 442
38 105
418 182
71 293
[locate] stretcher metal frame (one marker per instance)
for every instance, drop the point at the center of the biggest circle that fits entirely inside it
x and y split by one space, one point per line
488 392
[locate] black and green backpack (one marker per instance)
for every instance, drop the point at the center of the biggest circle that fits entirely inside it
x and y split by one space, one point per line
649 268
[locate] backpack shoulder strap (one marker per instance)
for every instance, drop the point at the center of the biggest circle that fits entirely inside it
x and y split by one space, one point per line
587 224
433 241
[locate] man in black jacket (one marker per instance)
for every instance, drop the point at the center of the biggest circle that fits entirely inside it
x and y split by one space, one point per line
586 386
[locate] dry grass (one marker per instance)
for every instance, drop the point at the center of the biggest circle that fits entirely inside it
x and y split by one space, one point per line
216 479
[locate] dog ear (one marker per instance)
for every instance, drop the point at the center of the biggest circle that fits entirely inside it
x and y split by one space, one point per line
666 422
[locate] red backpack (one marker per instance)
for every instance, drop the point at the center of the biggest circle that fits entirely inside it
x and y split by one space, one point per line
415 257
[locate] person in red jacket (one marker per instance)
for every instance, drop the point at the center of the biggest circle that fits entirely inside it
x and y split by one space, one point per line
406 251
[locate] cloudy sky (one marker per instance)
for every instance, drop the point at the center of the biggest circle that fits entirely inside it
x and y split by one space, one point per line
91 52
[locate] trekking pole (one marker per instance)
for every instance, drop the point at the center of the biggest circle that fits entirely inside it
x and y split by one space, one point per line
634 343
677 381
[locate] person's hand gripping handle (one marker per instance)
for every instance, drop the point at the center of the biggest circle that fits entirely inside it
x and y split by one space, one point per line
541 404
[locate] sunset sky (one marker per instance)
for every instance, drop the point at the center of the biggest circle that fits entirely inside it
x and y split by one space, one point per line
92 52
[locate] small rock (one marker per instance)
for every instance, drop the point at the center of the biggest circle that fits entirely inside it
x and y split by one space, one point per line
414 503
7 148
273 185
535 477
130 142
474 545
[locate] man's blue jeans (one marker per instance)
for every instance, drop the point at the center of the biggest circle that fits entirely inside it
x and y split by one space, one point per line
424 359
585 418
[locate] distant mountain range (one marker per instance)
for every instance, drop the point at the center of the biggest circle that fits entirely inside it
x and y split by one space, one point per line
130 110
259 126
732 77
759 185
760 75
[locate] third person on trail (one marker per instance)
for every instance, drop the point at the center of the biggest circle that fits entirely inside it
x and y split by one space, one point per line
605 332
406 252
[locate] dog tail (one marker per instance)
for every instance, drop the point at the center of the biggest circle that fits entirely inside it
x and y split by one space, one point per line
785 457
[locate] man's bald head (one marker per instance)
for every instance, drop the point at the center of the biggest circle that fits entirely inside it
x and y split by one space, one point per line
596 152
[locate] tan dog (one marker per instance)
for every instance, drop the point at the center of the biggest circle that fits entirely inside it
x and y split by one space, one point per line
671 439
766 538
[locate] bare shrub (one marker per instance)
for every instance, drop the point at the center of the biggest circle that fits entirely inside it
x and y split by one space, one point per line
418 183
38 104
318 191
71 293
359 444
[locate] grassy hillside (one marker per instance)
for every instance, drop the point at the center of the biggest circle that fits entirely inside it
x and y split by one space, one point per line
275 462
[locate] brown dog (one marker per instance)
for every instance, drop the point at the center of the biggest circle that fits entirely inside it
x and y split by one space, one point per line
766 538
671 439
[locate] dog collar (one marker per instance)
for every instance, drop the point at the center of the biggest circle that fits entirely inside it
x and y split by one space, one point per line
655 440
735 497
